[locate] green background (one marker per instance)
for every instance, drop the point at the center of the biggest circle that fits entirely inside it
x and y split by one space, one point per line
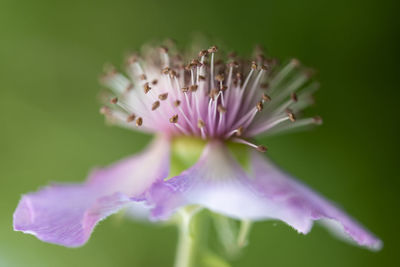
51 53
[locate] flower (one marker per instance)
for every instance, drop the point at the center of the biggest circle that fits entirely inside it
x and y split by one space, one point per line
204 115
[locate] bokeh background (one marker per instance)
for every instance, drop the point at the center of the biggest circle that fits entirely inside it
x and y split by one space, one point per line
52 52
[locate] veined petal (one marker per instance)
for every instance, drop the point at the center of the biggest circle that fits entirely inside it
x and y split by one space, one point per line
67 214
219 183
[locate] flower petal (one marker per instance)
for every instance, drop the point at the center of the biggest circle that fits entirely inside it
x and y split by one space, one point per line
299 206
218 183
67 214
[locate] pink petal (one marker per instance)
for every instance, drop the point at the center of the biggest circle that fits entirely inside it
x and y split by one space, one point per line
67 214
218 183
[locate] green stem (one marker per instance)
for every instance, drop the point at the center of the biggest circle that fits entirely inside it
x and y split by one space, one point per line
188 238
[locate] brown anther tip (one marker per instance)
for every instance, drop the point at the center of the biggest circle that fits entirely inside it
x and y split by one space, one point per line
174 119
184 89
260 106
193 88
132 59
212 49
224 87
202 78
114 100
131 118
239 131
163 49
220 77
266 98
177 103
163 96
154 82
200 124
105 110
203 53
291 115
261 148
253 65
264 67
155 105
295 62
146 87
293 96
213 93
143 77
221 109
139 121
165 70
317 120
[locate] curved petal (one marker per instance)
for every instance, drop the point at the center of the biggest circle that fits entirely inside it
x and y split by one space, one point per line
67 214
218 183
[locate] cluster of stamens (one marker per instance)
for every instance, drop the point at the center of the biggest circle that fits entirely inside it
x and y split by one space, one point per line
207 97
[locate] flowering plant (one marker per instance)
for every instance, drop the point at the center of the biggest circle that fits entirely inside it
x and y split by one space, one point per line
204 115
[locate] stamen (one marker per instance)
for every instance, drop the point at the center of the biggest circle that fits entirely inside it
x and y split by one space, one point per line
260 148
174 119
291 115
155 105
131 118
139 121
146 87
163 96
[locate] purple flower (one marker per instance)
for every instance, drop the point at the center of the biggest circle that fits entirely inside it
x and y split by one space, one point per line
204 115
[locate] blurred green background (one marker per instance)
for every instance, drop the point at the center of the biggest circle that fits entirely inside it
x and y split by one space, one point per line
51 53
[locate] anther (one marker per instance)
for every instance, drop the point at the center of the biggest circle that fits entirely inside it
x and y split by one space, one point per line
200 123
212 49
221 109
139 121
114 100
219 77
185 89
193 88
163 49
253 65
154 82
261 148
131 118
163 96
260 106
264 67
174 119
155 105
266 98
202 78
177 103
291 115
317 120
203 53
165 70
146 87
223 87
239 131
143 77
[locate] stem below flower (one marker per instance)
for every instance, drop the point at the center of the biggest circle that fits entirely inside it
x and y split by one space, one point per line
188 238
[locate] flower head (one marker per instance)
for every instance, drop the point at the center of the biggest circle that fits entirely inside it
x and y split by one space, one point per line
207 97
205 112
